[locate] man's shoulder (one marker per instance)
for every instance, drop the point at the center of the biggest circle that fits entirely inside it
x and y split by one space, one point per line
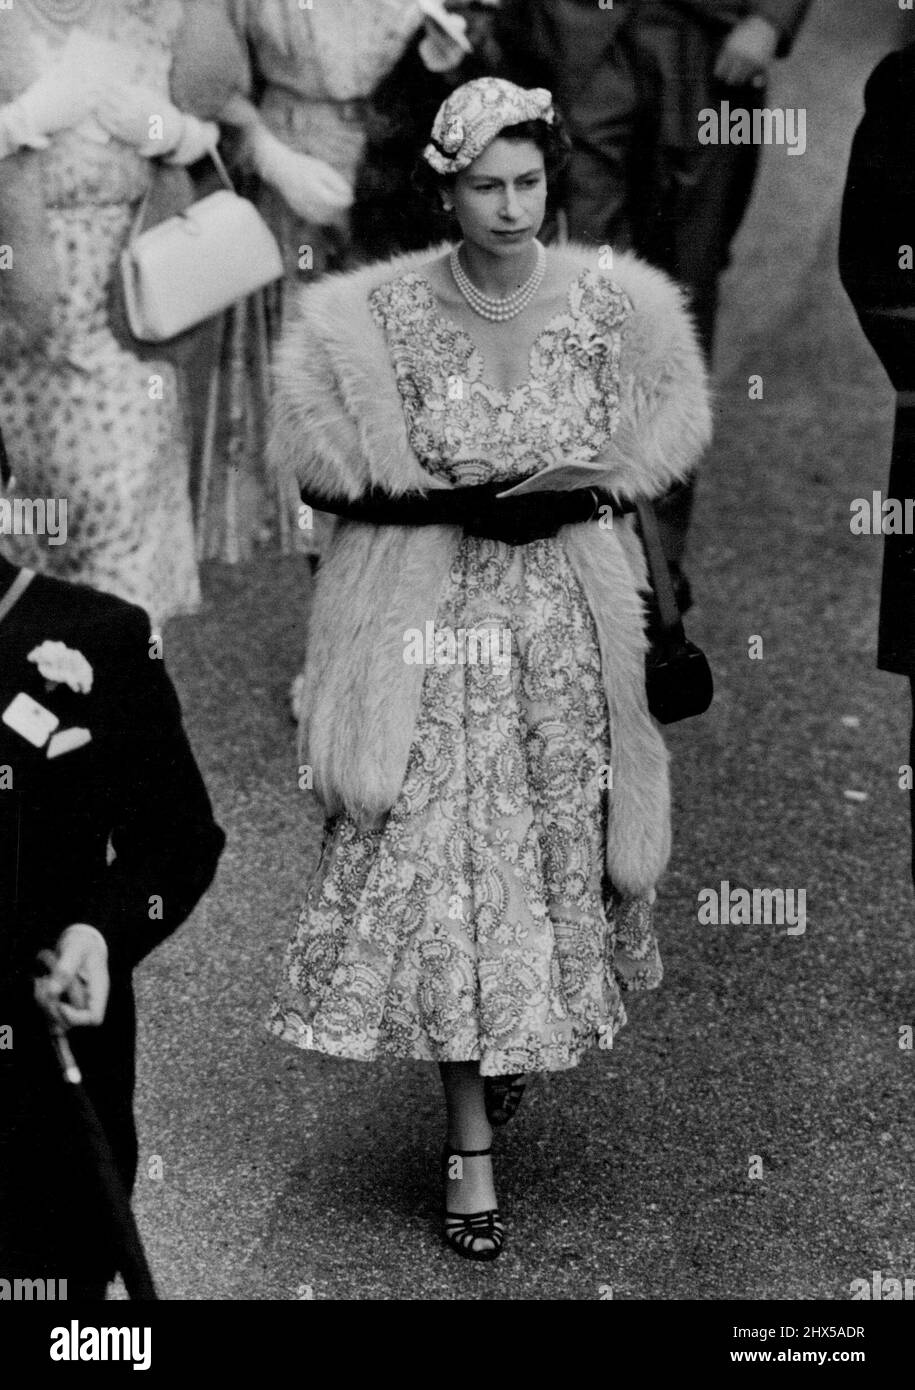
86 611
889 87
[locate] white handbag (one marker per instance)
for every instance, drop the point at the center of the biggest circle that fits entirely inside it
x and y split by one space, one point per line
192 266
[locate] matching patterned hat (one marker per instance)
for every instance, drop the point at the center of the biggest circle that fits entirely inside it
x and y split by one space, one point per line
473 115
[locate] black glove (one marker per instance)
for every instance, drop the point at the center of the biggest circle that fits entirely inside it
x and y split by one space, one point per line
536 516
453 506
478 510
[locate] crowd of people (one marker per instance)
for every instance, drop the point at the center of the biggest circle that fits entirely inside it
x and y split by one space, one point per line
323 111
501 242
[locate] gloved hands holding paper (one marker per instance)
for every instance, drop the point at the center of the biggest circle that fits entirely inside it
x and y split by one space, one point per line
564 476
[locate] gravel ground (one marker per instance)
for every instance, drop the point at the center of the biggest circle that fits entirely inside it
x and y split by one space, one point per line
290 1175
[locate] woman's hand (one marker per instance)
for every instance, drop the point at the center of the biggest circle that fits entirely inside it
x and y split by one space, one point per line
444 44
534 517
310 187
747 53
75 992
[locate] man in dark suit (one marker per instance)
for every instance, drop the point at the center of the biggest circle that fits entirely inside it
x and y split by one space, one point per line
107 841
631 80
876 251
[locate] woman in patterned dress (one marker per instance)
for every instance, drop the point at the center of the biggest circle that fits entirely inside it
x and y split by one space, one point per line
498 813
84 112
318 66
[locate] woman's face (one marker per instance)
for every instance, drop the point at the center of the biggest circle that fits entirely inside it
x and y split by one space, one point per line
500 199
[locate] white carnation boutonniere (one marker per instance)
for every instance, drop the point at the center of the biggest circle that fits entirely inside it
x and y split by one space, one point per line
61 665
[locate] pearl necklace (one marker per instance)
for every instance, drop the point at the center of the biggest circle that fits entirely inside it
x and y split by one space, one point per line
497 309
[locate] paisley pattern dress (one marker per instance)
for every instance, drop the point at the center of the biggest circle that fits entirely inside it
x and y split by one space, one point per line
84 419
477 923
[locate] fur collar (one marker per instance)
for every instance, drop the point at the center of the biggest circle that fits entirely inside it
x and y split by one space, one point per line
338 425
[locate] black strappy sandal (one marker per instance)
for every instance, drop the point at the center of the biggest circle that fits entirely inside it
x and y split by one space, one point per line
462 1230
502 1095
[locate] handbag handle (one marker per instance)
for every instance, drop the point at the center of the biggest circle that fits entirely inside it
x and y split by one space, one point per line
142 210
668 607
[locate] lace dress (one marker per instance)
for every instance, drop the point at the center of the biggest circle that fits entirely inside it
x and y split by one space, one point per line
477 923
84 420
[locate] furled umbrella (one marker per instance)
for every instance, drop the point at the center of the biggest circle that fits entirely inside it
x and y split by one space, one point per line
132 1263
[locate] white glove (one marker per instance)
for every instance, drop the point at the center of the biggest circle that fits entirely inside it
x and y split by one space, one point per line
58 100
312 189
445 43
748 52
197 138
142 117
440 53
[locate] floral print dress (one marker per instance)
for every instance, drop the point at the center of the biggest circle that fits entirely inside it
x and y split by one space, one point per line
84 419
477 924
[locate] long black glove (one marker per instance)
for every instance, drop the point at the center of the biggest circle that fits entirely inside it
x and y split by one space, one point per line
538 516
477 510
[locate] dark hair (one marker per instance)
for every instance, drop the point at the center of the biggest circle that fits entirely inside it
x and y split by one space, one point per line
551 139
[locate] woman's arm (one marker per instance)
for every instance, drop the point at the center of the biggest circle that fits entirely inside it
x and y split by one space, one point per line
441 507
148 120
55 101
310 186
477 510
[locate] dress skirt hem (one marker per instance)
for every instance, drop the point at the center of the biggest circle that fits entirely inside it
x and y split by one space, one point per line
290 1028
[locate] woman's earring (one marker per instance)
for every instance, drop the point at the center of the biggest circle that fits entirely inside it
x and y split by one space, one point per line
448 207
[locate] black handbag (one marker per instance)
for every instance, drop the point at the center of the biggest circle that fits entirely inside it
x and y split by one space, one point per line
678 678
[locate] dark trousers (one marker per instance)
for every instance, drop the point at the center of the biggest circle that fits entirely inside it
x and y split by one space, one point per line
639 178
